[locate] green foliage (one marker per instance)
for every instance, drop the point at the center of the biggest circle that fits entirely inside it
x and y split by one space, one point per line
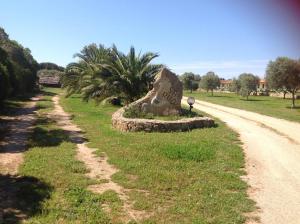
283 74
210 81
18 68
5 87
104 72
50 66
134 112
248 83
190 81
235 86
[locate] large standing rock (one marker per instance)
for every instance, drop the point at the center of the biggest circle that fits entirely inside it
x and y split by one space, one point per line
164 98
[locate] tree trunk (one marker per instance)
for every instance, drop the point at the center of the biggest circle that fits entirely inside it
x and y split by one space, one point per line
212 92
293 99
284 93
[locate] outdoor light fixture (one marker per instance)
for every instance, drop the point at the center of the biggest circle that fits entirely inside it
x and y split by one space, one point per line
191 101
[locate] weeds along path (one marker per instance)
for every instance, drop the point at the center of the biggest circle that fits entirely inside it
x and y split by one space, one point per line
99 168
20 125
272 151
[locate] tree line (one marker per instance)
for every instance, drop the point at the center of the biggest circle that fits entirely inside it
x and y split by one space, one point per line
282 75
245 84
17 68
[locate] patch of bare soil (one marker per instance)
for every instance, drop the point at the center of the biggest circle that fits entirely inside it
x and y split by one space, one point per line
98 167
15 141
272 152
19 126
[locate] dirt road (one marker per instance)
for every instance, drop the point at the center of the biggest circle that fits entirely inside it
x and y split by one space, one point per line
99 168
272 149
12 148
14 143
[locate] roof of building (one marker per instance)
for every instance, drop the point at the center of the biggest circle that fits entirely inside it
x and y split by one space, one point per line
49 80
226 81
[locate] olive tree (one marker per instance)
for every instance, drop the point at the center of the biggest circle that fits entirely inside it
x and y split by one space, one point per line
190 81
235 86
284 74
248 84
209 82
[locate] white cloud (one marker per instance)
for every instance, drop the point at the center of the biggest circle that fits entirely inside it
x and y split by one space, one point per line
226 69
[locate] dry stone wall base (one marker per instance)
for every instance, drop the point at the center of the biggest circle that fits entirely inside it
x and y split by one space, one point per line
134 124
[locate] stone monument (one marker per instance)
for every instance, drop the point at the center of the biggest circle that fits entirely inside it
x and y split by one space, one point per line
165 97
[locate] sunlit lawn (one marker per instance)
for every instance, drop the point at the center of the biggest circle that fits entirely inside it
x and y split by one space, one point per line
266 105
191 177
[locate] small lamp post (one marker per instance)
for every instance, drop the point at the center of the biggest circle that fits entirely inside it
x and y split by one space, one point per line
191 101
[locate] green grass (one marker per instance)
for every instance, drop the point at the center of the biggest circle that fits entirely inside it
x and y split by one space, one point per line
191 177
53 184
272 106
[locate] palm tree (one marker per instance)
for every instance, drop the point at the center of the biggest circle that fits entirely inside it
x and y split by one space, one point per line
103 72
88 76
133 74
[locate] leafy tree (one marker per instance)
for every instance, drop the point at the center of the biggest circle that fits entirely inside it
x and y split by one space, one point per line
50 66
209 82
235 86
248 84
22 66
284 74
104 72
190 81
4 76
87 76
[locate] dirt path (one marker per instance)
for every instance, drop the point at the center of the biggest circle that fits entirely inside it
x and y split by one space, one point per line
14 143
11 157
272 151
98 167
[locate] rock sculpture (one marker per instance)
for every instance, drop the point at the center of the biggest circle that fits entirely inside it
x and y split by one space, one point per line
165 97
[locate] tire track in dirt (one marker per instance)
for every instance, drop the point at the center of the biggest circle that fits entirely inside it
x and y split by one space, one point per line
98 167
12 147
272 153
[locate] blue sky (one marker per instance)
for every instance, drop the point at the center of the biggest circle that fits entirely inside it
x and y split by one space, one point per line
225 36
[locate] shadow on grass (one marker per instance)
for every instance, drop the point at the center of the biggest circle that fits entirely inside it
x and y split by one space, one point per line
42 137
253 100
9 107
296 107
217 96
47 93
21 197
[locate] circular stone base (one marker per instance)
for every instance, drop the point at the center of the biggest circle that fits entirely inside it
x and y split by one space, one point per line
148 125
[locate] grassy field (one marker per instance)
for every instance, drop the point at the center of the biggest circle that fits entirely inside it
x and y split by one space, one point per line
271 106
52 185
191 177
